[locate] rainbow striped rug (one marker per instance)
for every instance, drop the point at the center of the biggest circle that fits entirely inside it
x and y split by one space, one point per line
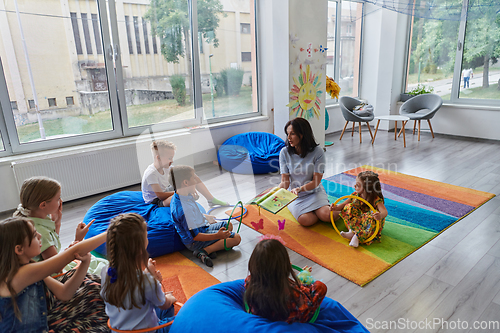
419 209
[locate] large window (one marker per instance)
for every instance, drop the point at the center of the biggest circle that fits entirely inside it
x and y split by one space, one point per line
344 45
45 66
458 58
102 69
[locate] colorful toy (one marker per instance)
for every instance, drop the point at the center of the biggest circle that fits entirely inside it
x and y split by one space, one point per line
306 278
377 228
243 209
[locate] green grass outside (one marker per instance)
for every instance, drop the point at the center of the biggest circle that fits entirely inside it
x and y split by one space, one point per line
425 77
139 115
491 92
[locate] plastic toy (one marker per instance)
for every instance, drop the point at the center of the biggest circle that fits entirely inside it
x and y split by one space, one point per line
377 228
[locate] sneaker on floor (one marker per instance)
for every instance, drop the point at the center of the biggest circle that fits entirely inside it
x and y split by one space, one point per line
202 255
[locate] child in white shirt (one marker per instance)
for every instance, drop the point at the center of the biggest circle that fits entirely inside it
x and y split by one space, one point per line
155 186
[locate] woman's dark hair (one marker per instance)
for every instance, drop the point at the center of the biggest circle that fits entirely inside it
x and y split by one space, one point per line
302 128
269 287
372 186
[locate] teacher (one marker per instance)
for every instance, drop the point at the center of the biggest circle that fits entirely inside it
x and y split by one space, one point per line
302 164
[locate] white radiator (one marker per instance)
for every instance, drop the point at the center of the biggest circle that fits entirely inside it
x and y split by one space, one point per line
85 172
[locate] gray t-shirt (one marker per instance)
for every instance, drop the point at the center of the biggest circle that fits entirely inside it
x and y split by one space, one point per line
301 170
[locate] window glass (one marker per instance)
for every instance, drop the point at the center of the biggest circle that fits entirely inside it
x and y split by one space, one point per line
350 47
480 70
431 60
228 65
59 68
157 70
330 41
2 147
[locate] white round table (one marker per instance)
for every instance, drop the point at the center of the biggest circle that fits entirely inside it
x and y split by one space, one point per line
394 118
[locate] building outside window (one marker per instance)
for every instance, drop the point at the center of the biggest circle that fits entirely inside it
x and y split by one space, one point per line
112 96
344 46
245 28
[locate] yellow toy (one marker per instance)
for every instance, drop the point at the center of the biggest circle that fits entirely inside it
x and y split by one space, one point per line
369 206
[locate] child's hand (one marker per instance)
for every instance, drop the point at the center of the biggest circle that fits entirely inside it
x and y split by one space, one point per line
295 190
377 216
223 233
333 207
152 269
57 217
210 218
307 268
81 230
84 259
170 298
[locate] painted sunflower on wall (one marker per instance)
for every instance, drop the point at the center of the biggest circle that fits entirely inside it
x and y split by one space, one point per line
305 94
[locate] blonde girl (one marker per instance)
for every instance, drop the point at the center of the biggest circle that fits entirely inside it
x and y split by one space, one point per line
131 285
41 202
356 214
24 283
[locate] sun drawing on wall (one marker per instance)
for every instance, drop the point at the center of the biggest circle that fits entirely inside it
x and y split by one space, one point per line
305 94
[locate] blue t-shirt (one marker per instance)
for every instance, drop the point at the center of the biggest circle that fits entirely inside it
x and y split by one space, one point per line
189 221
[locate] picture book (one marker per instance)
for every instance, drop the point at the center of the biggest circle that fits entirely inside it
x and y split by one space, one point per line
273 199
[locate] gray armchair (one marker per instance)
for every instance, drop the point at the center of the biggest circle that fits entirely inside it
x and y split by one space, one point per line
421 107
347 104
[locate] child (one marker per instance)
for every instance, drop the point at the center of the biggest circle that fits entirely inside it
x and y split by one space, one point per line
272 294
41 202
23 303
131 285
191 224
155 186
356 213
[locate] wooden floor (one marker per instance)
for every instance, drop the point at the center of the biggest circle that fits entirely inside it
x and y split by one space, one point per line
449 285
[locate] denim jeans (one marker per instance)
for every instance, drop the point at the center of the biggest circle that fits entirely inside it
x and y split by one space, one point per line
33 307
466 81
164 316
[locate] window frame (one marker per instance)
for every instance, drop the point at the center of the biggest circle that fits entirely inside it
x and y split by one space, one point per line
455 99
108 30
336 60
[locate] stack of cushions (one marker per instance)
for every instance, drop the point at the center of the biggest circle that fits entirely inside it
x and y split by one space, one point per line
219 309
162 236
251 153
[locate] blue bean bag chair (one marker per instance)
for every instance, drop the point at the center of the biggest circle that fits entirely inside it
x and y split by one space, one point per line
162 236
219 309
251 153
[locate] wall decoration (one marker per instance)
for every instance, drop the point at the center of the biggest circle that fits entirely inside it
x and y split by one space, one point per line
305 94
293 39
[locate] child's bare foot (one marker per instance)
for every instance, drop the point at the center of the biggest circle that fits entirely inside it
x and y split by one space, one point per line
347 235
354 241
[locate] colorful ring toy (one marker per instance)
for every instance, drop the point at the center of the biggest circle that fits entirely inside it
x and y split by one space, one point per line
229 220
377 228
